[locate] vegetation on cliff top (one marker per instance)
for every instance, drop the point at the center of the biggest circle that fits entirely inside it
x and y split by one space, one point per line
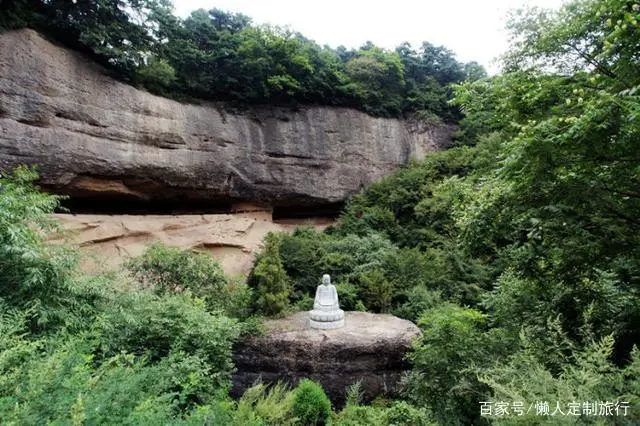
216 55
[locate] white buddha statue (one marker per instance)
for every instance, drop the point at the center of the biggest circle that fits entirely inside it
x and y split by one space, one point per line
326 311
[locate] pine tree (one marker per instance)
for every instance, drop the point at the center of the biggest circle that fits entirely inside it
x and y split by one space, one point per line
270 279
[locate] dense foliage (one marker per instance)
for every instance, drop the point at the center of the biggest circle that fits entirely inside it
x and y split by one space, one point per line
310 404
75 349
270 279
150 347
221 56
518 251
166 270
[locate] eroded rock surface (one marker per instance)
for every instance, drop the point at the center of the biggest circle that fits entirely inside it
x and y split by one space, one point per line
232 239
370 348
97 138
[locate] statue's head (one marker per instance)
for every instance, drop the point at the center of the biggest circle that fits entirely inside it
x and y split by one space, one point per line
326 279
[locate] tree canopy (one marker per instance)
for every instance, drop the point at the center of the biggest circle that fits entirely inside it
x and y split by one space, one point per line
217 55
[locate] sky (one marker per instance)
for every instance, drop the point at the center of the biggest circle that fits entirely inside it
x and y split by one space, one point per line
473 29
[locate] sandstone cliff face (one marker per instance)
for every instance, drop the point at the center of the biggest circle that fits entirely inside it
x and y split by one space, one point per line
232 239
98 138
370 348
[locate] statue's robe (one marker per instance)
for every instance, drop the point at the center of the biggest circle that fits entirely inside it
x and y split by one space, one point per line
326 298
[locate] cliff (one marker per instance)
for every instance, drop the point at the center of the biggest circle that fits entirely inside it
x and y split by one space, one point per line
98 139
232 239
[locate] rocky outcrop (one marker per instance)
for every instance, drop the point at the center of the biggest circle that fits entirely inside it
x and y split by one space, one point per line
370 348
97 138
232 239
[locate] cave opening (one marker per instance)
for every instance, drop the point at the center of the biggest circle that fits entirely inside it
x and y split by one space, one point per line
136 206
327 211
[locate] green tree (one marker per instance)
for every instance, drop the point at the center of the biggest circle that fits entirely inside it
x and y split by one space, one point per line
270 280
562 207
474 71
378 289
168 270
36 277
590 376
218 55
377 78
120 32
156 75
443 376
311 406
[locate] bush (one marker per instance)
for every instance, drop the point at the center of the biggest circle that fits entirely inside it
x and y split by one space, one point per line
267 405
157 75
301 253
442 378
418 300
379 291
587 375
171 270
399 413
66 385
65 379
166 269
270 280
349 295
308 254
34 276
360 415
311 406
403 414
154 326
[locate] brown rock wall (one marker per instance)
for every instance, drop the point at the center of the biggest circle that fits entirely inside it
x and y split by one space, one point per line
96 137
370 348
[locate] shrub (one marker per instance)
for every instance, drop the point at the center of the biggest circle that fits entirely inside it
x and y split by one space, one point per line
403 414
306 303
171 270
270 279
308 254
35 276
442 378
587 375
349 295
301 253
154 326
269 405
417 300
378 289
311 406
360 415
65 384
157 75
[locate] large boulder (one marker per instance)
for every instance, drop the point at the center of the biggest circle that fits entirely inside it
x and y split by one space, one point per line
96 138
370 348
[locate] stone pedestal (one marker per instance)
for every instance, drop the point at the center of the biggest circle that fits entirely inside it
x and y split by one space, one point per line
326 325
369 347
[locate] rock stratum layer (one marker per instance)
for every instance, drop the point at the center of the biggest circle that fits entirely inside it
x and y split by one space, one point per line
97 138
232 239
370 348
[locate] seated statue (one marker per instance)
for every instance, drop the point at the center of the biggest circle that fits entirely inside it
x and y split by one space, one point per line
326 311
